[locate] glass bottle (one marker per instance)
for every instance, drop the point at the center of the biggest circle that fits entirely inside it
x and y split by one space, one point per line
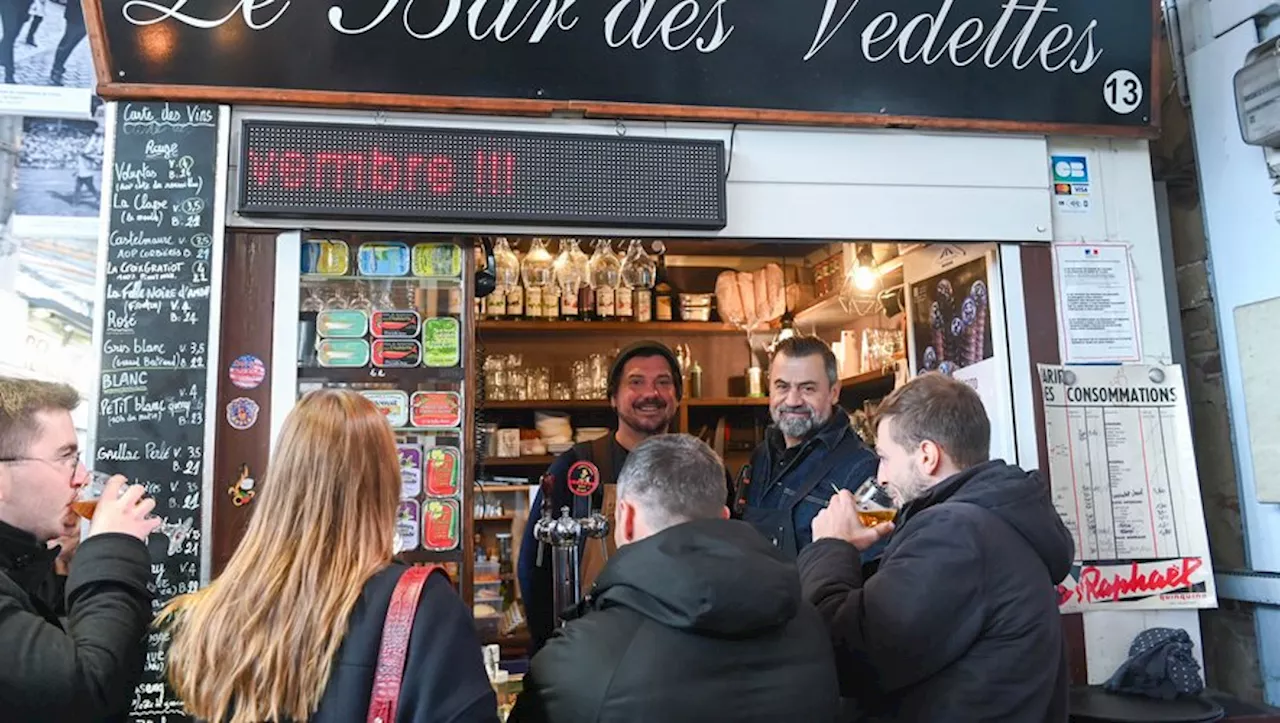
536 272
638 273
664 293
570 273
605 270
507 300
624 302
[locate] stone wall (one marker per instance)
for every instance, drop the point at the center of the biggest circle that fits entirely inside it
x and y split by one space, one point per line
1230 639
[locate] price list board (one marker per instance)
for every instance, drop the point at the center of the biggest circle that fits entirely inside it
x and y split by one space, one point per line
155 324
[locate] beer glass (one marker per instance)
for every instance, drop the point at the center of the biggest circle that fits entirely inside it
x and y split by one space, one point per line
874 503
90 492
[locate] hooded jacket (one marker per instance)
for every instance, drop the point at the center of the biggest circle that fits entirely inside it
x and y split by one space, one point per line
701 622
960 621
83 667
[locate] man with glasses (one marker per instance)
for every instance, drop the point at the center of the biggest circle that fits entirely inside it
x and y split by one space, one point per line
73 649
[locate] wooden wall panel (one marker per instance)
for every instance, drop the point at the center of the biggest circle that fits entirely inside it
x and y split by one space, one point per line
248 302
1042 338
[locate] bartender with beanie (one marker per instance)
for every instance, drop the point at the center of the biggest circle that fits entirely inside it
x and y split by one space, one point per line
644 390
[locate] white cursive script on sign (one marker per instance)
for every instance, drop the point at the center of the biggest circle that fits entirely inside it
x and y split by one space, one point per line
886 33
926 37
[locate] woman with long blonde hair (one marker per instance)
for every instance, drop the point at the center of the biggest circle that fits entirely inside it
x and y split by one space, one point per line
290 631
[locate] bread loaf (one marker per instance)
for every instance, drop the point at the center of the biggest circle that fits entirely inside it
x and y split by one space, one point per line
777 291
728 298
761 282
747 287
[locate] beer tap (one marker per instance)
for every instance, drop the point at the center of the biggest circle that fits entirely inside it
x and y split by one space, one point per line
542 528
565 536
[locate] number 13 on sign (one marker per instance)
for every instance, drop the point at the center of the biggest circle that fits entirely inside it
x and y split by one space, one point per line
1122 92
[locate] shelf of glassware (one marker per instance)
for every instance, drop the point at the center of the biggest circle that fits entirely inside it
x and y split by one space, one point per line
527 326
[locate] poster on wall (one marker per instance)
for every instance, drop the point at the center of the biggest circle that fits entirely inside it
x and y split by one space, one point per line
1097 303
1123 476
951 318
59 178
48 66
956 327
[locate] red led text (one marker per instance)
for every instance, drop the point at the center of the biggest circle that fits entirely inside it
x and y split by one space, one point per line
489 173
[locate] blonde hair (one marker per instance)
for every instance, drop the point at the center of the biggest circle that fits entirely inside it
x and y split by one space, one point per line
258 643
20 401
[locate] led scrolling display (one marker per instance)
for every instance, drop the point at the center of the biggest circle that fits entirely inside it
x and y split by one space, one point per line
421 173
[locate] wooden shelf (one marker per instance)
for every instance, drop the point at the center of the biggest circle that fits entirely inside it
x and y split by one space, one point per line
533 326
425 556
374 375
495 489
547 404
499 518
868 378
728 402
532 461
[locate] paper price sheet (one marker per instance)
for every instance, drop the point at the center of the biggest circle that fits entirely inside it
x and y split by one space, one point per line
1123 475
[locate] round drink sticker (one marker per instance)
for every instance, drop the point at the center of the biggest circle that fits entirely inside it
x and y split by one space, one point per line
247 372
584 478
242 413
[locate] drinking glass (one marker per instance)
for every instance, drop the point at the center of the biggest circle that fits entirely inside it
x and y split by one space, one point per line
90 493
874 503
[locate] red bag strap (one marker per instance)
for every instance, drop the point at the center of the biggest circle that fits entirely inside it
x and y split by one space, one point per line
395 643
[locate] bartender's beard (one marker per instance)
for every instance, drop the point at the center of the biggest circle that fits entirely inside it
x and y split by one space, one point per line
798 420
649 424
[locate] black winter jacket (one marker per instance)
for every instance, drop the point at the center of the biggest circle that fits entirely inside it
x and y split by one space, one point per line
444 678
700 622
960 622
87 671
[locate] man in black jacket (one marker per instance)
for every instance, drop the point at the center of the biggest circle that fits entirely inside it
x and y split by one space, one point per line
86 668
960 621
697 618
810 451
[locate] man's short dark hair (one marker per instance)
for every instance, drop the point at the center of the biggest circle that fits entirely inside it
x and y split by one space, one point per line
798 347
20 401
674 478
944 411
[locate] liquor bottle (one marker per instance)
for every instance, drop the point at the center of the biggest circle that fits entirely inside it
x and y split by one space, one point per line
507 275
638 271
535 270
568 276
625 302
664 294
605 270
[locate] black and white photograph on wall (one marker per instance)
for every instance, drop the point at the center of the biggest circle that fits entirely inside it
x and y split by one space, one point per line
59 176
951 318
47 63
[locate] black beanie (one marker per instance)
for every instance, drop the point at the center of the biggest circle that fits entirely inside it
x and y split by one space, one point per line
645 348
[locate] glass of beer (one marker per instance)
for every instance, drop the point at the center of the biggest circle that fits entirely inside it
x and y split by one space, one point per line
89 494
874 503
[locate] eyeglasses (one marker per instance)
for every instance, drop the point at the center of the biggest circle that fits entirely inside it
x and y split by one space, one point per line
70 459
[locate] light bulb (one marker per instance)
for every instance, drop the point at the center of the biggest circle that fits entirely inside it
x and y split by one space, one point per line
864 278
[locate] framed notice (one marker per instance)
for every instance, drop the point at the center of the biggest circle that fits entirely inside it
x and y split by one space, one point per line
1124 480
1097 303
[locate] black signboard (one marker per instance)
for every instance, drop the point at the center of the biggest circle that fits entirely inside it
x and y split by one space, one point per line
151 415
375 171
1040 62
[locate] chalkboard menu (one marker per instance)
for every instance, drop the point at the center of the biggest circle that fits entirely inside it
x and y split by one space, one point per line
151 415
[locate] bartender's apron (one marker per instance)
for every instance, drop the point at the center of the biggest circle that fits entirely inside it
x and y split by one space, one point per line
600 453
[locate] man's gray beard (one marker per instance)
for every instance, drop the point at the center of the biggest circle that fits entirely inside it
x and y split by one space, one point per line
798 427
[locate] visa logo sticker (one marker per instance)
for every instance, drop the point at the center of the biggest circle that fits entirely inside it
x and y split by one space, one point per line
1070 169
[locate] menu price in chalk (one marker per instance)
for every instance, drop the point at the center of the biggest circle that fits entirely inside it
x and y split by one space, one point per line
151 409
